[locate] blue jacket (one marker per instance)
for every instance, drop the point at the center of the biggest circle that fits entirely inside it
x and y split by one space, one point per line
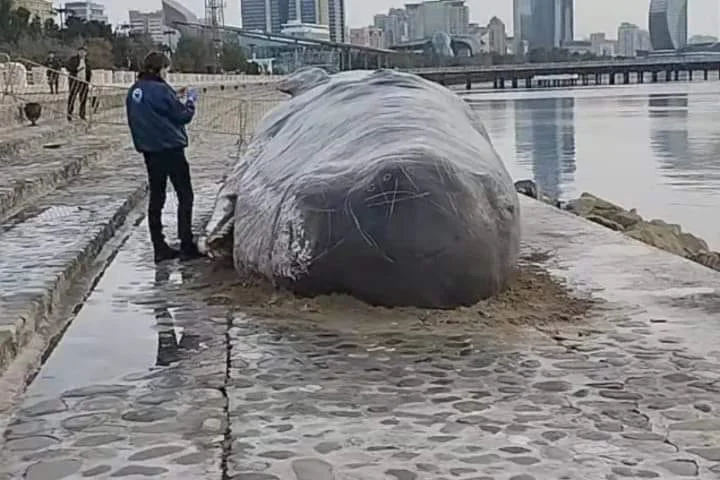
156 117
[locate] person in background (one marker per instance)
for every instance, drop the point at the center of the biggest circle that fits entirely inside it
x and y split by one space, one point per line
80 73
53 72
157 120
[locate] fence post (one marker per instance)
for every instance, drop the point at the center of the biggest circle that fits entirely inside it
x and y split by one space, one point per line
93 102
7 75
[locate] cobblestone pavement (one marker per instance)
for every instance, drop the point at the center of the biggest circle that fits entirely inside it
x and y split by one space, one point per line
160 377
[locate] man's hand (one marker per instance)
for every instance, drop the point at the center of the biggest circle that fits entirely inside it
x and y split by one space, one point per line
182 91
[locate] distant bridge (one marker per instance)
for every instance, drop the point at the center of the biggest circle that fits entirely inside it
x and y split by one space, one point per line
667 67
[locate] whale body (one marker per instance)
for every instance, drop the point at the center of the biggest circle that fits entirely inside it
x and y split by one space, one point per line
378 184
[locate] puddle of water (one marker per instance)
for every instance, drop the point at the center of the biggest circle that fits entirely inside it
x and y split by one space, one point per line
112 334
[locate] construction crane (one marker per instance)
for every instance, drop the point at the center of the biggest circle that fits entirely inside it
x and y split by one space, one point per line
215 19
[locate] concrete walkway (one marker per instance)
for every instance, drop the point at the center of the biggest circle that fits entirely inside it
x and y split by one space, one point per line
159 376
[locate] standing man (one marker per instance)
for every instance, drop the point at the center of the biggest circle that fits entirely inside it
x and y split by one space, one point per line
79 83
157 120
53 72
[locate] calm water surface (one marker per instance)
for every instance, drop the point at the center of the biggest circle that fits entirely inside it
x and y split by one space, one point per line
652 147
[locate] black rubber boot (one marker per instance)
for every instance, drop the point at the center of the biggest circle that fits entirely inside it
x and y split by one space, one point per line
163 252
190 252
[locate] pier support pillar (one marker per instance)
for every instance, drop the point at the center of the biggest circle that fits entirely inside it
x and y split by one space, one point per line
468 84
502 83
668 76
640 76
612 78
690 75
528 83
705 75
496 83
677 75
626 78
654 77
514 82
598 79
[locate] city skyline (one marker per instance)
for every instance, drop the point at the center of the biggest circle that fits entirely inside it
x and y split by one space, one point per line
590 16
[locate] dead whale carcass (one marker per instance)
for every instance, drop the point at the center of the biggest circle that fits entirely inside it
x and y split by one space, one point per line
379 184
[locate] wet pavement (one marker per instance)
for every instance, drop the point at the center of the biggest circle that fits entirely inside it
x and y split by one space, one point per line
70 413
62 206
160 377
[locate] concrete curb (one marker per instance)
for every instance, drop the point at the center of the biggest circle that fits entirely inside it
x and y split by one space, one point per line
36 318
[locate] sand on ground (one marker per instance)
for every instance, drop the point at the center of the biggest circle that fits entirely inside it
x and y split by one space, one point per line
534 298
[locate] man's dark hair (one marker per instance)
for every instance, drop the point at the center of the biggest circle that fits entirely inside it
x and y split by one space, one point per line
82 47
154 62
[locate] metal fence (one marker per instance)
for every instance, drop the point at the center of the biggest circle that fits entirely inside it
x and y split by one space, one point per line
233 109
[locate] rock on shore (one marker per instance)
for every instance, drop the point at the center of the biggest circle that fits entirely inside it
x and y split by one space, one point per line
666 236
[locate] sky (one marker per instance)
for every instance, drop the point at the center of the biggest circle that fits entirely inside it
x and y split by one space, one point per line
590 15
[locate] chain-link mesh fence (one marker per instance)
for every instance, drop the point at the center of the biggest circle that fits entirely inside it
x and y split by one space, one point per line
232 108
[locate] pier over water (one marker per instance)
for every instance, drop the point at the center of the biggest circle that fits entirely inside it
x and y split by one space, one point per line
639 70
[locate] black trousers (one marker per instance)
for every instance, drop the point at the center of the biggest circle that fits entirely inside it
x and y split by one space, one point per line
54 82
161 166
78 91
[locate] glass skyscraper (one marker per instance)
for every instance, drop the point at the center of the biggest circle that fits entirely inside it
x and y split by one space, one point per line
271 15
668 22
543 23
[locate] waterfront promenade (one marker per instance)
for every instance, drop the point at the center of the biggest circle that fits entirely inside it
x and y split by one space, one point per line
167 372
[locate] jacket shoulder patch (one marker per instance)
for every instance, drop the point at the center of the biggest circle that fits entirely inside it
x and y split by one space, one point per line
137 95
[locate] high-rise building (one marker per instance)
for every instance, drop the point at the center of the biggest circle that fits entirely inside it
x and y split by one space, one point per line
367 37
602 46
668 22
265 15
149 23
88 11
394 25
564 22
631 40
497 37
41 8
434 16
305 11
271 15
336 21
543 23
